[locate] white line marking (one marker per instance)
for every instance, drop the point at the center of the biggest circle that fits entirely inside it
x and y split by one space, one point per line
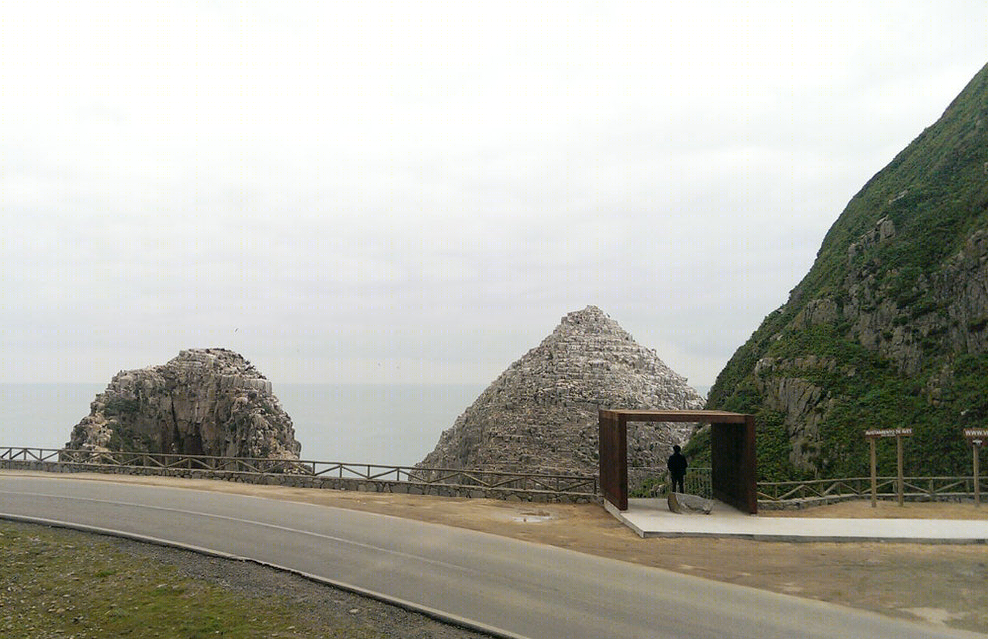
251 522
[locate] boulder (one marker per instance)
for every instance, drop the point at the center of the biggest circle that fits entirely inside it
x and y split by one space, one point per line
683 504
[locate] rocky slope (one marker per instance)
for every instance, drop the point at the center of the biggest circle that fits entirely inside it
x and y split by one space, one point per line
889 326
203 402
540 415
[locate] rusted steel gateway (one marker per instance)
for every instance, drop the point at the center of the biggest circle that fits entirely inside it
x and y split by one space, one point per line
732 453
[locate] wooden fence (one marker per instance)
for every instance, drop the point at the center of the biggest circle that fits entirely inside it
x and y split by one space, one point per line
643 481
646 481
653 481
831 490
492 483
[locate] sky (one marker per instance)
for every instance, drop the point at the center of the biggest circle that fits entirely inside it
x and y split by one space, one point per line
413 191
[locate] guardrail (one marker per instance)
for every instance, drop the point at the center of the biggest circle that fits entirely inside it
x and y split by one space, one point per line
831 490
311 473
653 481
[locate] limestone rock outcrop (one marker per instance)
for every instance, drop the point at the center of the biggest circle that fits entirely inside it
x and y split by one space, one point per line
683 504
540 415
203 402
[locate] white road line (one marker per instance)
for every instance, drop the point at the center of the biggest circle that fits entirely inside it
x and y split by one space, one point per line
308 533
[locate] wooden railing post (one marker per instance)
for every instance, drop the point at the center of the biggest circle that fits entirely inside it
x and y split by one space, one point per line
874 474
977 478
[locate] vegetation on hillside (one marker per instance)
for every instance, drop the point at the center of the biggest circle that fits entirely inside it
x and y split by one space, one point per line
887 295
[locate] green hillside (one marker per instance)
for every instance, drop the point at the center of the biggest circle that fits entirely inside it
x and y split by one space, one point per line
889 326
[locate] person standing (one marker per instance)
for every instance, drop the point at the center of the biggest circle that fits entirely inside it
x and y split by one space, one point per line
677 465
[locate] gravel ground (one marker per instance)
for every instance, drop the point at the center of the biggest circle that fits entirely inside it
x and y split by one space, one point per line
320 604
31 604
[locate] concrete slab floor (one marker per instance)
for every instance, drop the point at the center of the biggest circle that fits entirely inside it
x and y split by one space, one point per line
652 518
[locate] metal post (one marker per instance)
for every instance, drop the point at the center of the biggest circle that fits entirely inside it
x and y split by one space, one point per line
898 453
874 473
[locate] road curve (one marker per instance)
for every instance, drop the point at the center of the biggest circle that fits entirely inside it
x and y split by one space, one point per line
507 587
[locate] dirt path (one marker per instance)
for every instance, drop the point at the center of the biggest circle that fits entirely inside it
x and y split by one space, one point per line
944 584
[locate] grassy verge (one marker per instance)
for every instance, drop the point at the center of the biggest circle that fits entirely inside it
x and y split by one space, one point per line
59 583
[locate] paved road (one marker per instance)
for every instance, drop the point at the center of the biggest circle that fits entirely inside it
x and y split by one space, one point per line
515 588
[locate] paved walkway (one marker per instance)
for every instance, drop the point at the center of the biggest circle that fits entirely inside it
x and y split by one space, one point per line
652 518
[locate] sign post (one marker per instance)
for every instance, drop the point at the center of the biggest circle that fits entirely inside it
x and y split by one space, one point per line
874 473
977 479
898 433
898 467
977 437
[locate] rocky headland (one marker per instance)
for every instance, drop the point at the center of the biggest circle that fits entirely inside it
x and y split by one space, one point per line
203 402
890 326
540 415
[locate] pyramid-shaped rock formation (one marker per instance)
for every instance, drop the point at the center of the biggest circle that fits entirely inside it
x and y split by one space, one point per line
540 415
203 402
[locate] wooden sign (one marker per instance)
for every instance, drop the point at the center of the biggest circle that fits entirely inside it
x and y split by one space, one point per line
889 432
976 436
874 435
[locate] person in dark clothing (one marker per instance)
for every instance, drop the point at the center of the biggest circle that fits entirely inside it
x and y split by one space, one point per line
677 469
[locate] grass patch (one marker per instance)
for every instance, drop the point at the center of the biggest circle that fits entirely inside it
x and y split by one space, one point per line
58 583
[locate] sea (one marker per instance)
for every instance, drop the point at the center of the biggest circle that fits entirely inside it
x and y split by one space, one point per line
385 424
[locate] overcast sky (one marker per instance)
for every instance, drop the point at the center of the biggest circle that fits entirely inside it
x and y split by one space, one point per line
418 191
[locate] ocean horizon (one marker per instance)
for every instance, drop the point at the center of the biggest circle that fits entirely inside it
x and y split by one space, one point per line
386 424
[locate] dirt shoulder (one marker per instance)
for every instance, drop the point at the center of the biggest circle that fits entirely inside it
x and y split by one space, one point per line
942 584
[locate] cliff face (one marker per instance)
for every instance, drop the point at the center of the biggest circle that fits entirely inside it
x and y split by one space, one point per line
203 402
889 326
540 415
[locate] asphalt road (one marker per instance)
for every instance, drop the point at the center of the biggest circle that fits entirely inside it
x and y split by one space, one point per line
508 587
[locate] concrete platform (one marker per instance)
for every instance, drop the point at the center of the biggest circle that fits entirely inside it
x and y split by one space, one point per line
651 518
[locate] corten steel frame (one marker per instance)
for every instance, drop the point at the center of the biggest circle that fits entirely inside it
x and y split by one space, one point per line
732 453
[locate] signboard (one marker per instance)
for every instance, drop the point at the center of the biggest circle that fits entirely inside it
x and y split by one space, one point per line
976 436
889 432
874 435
